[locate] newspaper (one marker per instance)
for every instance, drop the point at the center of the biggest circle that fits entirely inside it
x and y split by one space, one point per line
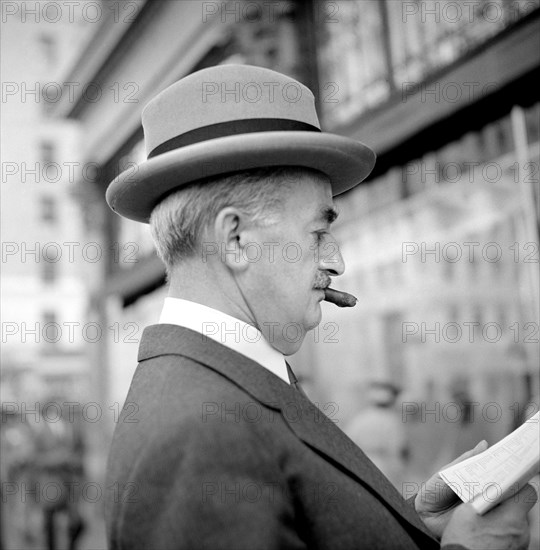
486 479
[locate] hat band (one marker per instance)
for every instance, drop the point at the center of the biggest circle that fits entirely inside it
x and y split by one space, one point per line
231 128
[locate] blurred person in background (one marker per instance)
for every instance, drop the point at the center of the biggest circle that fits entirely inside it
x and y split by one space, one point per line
59 464
378 430
227 451
43 475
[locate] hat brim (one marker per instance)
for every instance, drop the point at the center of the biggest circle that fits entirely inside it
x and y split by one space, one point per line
136 191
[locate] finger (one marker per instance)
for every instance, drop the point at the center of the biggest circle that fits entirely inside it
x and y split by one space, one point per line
526 498
480 448
519 502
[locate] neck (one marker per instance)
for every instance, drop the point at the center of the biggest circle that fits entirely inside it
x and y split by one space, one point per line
211 286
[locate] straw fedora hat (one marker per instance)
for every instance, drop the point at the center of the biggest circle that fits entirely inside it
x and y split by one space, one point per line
226 119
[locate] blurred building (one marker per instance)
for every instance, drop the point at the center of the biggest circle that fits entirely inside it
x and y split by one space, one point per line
46 259
446 96
43 288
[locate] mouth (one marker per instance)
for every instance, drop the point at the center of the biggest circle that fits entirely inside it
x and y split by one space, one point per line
322 285
321 292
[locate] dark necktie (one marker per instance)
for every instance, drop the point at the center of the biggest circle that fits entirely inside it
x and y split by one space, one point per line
294 381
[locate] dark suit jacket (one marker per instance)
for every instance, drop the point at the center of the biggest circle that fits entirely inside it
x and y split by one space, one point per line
214 451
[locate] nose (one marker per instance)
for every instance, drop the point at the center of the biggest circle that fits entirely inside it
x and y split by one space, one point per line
331 259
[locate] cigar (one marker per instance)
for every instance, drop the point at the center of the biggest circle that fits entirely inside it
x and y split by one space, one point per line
341 299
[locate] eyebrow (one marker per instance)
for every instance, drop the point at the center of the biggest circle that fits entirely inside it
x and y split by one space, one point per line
328 214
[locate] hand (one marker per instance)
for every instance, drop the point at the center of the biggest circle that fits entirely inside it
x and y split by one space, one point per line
435 502
504 527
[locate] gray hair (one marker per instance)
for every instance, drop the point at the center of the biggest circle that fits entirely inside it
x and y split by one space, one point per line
179 221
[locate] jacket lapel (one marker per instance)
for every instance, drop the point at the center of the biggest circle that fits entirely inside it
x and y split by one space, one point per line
309 424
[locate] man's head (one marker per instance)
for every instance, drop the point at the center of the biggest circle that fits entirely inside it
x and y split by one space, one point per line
254 244
259 241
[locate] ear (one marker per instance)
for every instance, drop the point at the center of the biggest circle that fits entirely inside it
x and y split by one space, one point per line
231 231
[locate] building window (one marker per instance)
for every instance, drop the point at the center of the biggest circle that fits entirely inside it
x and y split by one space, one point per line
48 151
48 209
48 46
354 65
473 257
504 136
49 317
532 120
50 329
48 271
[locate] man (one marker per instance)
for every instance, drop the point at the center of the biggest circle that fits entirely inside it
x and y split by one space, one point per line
227 451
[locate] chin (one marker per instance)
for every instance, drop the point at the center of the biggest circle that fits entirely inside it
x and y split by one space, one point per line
290 348
311 326
314 320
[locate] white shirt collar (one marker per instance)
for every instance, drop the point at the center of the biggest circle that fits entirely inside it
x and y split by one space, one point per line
226 330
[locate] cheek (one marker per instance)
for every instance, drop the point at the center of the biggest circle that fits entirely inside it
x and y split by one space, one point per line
298 268
291 263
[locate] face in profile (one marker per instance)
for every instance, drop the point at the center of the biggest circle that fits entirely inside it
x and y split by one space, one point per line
299 255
